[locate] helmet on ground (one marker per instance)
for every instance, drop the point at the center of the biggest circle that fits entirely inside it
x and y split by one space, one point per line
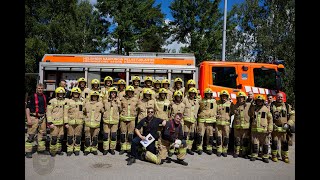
224 92
60 90
129 88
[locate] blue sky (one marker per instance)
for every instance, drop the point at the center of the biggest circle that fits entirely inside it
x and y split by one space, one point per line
166 3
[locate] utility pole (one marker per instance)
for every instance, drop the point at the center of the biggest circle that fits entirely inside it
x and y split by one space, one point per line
224 31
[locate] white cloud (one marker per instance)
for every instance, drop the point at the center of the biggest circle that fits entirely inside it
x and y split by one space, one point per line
93 2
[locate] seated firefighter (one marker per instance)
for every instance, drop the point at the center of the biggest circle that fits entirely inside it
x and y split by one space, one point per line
150 125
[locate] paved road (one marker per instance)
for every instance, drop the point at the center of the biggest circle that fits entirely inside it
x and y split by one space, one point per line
114 167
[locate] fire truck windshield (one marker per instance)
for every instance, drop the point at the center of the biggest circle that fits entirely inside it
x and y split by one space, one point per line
265 78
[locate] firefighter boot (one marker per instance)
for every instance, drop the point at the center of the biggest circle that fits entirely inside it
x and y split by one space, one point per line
121 152
95 152
200 152
76 153
189 151
131 160
182 162
29 154
69 153
112 152
105 152
209 152
168 160
44 152
266 160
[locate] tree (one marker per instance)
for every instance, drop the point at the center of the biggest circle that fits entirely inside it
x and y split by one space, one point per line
199 24
138 25
271 24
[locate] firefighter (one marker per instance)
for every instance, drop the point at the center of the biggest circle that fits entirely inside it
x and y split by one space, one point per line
223 123
35 113
284 120
165 83
190 117
128 115
110 121
206 121
92 111
56 115
261 128
176 106
145 103
74 122
192 84
156 87
136 85
162 110
82 84
241 125
148 85
121 88
108 82
178 86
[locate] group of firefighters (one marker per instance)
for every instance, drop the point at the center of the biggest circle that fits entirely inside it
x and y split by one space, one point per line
203 122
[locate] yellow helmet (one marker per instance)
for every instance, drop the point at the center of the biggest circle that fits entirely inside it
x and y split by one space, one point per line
178 80
113 89
193 90
135 78
191 81
121 81
156 81
225 92
76 90
163 90
208 91
129 88
60 90
94 93
259 97
177 93
95 81
108 78
147 91
148 78
81 80
241 94
165 81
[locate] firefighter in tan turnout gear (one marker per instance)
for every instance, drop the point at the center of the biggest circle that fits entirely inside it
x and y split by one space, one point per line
82 84
35 113
92 111
284 120
241 125
74 122
165 83
261 128
223 123
178 86
128 115
145 103
56 115
190 115
121 88
136 84
110 121
148 85
206 121
156 87
108 82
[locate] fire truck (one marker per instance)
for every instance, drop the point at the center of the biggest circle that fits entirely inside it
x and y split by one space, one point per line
260 78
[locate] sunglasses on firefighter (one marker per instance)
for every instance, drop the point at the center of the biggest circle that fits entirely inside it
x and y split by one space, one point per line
150 111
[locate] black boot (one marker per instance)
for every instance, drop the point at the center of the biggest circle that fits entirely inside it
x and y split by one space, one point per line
235 155
190 152
131 160
112 152
95 152
121 152
53 154
200 152
224 154
105 152
168 160
143 156
182 162
209 152
44 152
86 153
29 154
76 153
60 153
170 154
218 154
252 159
266 160
69 153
